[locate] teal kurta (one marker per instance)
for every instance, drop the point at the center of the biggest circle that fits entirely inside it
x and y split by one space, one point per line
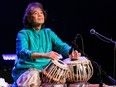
29 41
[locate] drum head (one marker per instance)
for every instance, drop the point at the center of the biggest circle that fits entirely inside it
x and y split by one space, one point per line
60 64
82 59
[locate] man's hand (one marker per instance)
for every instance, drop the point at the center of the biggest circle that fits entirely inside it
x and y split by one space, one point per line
74 55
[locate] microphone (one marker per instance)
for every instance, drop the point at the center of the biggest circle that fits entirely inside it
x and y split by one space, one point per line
92 31
71 50
72 44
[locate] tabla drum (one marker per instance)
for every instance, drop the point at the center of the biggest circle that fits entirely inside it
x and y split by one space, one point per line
80 70
55 72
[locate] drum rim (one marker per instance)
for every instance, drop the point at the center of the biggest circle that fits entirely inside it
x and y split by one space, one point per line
64 65
79 60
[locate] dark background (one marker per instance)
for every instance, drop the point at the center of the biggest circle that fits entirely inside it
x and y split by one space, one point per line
67 18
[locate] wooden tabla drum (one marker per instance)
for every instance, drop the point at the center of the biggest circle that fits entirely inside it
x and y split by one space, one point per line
80 70
55 72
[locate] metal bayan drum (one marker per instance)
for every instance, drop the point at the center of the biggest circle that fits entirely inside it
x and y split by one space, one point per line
55 72
80 70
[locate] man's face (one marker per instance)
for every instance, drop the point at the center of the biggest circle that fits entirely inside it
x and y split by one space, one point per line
37 16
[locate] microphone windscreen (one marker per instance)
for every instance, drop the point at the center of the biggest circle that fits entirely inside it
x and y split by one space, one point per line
92 31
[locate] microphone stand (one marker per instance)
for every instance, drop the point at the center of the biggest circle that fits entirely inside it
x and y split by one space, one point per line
109 40
100 70
99 73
